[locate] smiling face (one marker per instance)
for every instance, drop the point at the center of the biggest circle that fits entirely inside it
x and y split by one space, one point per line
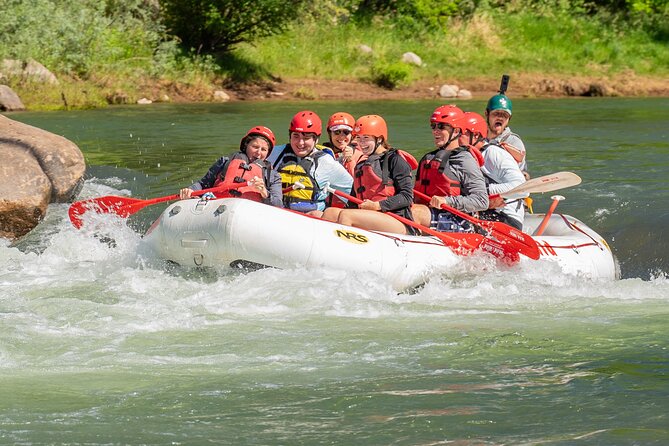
340 138
366 143
257 148
498 120
302 143
442 133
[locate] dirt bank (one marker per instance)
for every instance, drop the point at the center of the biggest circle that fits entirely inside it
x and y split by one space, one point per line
523 85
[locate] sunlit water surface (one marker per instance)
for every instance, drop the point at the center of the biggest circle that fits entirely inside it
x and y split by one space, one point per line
102 343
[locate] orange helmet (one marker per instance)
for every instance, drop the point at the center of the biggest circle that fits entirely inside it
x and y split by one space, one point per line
258 130
371 125
472 122
445 114
341 118
306 122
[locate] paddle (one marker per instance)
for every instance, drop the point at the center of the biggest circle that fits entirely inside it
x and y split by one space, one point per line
126 206
542 226
546 183
517 240
463 243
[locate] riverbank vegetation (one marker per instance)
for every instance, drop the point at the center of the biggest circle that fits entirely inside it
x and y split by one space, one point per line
117 51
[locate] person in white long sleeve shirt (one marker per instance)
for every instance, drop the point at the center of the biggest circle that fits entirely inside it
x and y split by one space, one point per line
500 169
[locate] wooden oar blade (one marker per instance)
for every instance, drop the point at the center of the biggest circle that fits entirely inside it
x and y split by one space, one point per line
109 204
546 183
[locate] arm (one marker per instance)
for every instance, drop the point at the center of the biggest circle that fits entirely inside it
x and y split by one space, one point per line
515 141
474 196
502 169
331 173
400 172
274 188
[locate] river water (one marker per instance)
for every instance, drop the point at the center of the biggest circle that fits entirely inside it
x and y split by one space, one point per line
100 343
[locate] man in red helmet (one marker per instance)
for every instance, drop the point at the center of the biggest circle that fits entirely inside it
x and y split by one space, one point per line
500 169
450 174
302 162
248 165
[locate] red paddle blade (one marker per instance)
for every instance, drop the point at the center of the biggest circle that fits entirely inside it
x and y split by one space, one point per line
515 239
102 205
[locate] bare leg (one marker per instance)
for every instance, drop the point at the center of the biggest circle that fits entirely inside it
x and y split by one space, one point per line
421 214
331 214
372 220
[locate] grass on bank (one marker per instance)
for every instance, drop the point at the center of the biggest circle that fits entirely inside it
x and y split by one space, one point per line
485 45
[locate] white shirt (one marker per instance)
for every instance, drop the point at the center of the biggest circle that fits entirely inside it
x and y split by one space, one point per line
504 173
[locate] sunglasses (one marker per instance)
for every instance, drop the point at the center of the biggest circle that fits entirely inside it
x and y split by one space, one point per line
440 126
342 132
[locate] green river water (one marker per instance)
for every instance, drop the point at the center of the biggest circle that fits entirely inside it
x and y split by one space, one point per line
105 345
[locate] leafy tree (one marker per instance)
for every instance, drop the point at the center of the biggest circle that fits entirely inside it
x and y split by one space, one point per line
214 26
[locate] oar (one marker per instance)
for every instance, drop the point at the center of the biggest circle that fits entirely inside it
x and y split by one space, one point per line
464 243
517 241
542 226
546 183
126 206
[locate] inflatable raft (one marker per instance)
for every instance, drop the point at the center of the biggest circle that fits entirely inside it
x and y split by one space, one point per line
224 231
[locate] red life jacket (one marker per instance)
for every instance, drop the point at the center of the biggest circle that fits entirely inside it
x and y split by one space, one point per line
435 176
239 170
372 177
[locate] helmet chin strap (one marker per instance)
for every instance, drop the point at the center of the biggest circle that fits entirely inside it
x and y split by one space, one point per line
452 136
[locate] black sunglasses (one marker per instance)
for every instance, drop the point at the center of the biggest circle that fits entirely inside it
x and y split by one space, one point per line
440 126
341 132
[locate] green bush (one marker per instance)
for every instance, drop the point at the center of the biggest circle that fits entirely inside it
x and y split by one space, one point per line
78 36
390 75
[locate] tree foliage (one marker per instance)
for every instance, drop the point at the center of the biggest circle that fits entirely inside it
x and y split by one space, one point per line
214 26
77 36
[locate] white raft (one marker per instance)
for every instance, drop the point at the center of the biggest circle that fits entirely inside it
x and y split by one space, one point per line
222 231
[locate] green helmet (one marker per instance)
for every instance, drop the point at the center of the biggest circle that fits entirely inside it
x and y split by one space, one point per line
499 102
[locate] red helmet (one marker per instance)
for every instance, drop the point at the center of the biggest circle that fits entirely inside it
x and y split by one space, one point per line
306 122
445 114
258 130
472 122
373 125
341 118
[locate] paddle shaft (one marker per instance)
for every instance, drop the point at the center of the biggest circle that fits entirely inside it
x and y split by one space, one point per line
542 226
450 209
126 206
514 241
447 239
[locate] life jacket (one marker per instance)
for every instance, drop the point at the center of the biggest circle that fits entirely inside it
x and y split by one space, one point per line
294 169
371 180
239 170
435 177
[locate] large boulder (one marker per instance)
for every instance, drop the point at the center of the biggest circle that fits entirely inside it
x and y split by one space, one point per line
38 168
10 101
